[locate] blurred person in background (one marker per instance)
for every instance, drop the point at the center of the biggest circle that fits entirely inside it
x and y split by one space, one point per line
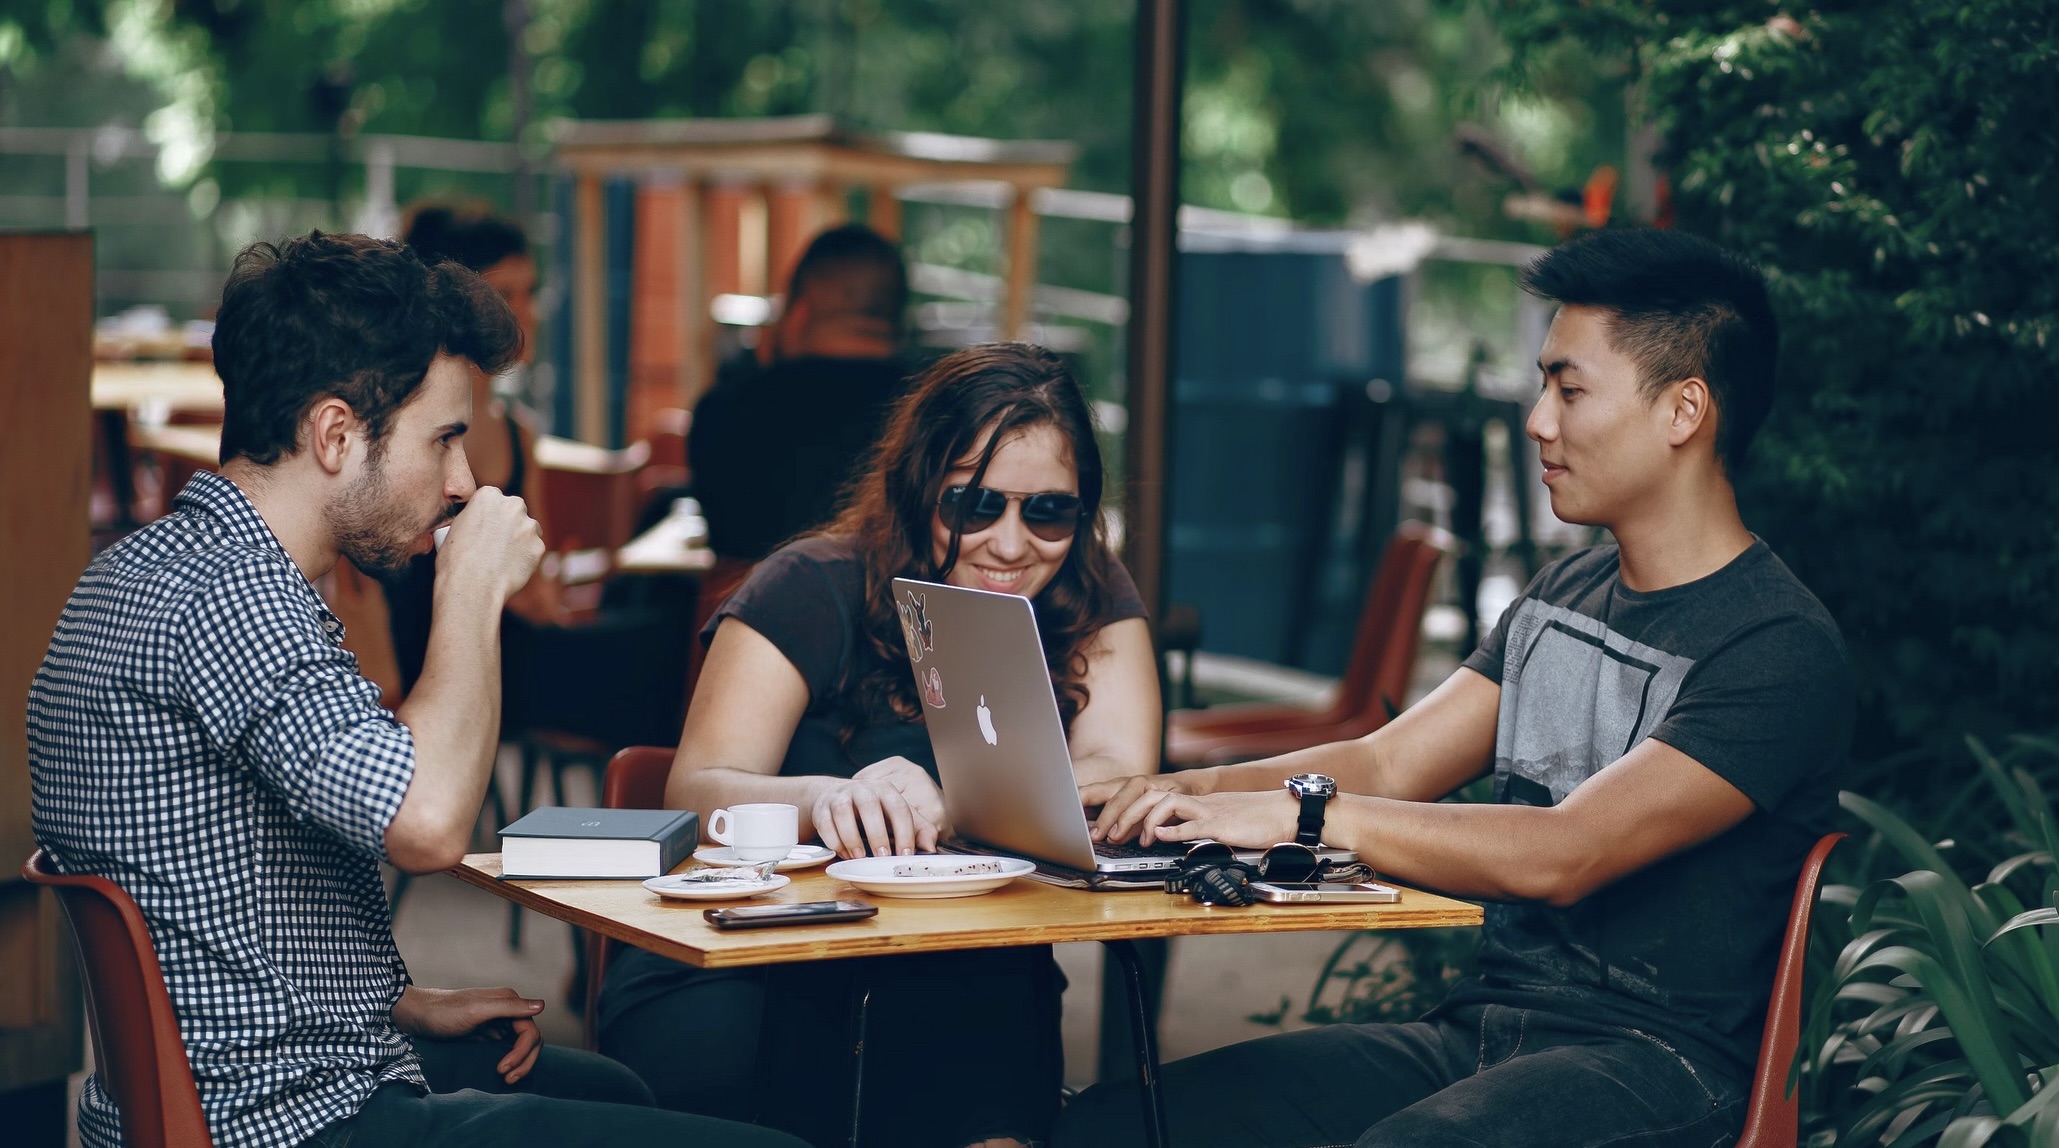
771 448
389 621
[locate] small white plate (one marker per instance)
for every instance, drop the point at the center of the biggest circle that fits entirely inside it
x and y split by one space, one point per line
671 886
803 857
930 875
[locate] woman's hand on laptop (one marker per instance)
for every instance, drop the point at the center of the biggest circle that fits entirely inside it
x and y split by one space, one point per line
889 808
1126 801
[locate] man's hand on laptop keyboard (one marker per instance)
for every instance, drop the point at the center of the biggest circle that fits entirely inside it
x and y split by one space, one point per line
1125 801
1244 819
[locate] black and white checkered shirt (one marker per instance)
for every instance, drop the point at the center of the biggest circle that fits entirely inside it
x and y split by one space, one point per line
198 735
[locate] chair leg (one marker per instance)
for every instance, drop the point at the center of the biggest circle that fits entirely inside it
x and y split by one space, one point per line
1143 1033
861 1006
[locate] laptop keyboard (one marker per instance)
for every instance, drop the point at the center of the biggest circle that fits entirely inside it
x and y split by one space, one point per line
1130 849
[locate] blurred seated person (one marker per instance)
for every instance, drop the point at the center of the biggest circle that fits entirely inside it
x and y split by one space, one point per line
771 448
989 478
389 622
618 677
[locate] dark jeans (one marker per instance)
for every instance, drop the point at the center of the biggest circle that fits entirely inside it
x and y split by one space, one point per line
569 1098
1468 1076
960 1046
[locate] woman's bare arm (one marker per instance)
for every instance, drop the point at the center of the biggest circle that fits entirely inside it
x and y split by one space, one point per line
745 708
1117 734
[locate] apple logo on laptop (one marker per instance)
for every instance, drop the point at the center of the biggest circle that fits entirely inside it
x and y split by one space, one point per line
986 722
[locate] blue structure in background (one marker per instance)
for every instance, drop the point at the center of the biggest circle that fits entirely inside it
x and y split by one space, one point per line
1284 364
618 231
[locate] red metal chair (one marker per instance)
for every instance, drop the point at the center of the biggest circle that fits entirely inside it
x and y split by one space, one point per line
1383 656
137 1052
1774 1119
635 779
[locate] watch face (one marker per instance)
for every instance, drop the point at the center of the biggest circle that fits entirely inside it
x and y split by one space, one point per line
1313 785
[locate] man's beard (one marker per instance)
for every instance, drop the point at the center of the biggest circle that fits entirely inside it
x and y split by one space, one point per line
365 522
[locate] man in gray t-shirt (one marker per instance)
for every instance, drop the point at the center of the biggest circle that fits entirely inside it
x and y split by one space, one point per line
1663 719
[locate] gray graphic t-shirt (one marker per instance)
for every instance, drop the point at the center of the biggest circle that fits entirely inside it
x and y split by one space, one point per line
1744 672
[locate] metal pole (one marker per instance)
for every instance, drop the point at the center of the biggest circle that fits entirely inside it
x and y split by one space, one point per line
77 192
1155 190
515 17
1153 248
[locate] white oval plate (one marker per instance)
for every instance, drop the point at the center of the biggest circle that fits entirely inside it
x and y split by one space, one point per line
930 874
803 857
671 886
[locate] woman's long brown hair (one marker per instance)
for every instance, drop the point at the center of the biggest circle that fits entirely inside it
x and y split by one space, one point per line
888 509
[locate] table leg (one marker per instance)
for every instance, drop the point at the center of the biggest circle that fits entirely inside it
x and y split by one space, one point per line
1145 1043
121 473
861 1004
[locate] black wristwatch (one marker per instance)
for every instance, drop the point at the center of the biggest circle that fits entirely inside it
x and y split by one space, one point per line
1315 791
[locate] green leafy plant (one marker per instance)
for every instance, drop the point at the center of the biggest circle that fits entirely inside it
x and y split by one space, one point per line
1938 1019
1384 977
1890 163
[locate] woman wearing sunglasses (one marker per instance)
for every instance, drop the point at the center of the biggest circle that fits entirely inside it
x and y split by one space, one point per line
987 476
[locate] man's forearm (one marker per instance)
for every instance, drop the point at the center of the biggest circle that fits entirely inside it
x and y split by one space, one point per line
1494 852
1353 763
453 714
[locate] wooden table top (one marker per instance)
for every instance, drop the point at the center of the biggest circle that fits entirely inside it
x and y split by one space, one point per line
173 386
1023 912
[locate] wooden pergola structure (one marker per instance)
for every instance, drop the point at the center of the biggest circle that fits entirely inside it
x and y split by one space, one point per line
725 207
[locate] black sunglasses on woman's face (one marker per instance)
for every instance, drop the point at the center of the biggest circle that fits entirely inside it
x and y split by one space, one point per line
1052 516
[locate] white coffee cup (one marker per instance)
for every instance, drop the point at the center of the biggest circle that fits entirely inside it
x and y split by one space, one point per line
759 831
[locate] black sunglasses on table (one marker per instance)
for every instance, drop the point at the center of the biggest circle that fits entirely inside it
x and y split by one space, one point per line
1211 873
1052 516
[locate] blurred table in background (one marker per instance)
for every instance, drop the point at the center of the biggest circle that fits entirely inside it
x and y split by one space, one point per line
149 388
145 396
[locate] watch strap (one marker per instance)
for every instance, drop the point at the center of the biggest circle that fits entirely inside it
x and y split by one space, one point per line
1309 829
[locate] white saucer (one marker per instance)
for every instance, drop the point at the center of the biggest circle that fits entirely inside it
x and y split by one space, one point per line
671 886
803 857
930 875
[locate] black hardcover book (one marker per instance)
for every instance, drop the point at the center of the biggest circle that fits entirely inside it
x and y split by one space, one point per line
565 841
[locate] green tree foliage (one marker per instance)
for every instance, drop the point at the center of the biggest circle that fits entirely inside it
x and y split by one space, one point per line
1319 110
1892 163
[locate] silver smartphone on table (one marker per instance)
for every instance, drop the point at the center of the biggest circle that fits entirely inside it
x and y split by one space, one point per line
1324 893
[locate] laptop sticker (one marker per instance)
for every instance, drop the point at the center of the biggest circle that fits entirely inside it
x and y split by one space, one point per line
932 687
915 627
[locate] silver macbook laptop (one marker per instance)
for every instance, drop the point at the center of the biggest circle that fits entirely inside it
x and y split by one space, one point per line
1000 743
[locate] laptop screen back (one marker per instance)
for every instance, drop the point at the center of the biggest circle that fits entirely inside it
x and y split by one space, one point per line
993 721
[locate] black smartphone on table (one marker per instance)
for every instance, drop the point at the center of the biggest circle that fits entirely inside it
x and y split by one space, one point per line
801 913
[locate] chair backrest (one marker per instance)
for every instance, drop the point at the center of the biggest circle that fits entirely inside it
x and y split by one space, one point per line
635 779
591 494
1774 1119
137 1052
1390 626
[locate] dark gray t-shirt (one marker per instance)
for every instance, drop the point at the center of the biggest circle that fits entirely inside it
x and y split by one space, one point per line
1743 671
807 599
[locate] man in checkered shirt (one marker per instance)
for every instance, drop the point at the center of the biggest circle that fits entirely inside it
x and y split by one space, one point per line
198 734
